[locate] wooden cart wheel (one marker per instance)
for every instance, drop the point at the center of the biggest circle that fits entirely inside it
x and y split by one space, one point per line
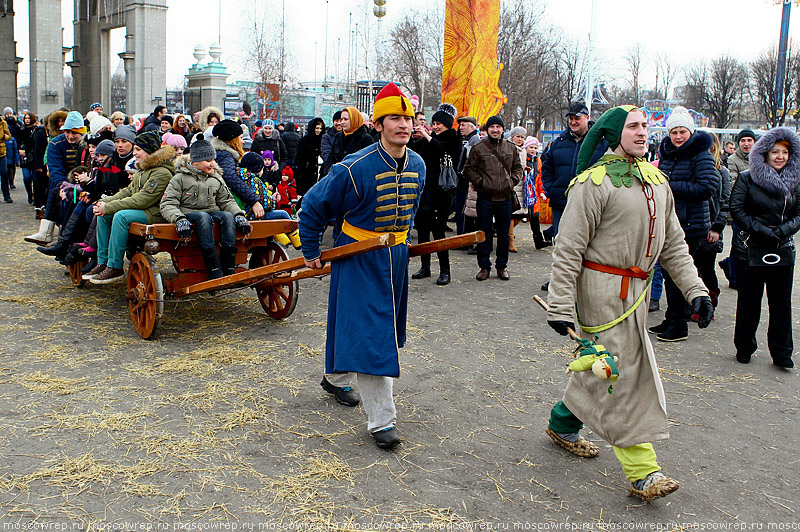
145 295
75 274
279 300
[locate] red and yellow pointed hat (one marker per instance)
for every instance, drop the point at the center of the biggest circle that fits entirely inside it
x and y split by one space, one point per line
390 101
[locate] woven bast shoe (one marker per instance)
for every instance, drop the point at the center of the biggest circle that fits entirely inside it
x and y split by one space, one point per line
654 486
582 447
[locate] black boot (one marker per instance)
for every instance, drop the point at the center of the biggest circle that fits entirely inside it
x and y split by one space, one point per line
425 270
444 268
211 259
538 238
59 248
227 259
90 266
73 256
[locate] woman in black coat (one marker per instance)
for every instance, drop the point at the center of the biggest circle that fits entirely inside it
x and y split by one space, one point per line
693 178
352 138
306 163
436 205
764 205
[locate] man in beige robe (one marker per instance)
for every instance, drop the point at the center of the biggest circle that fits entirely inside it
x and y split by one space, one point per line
619 219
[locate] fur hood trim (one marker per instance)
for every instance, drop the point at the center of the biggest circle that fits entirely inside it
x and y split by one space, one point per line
183 163
160 157
202 120
220 145
52 126
763 175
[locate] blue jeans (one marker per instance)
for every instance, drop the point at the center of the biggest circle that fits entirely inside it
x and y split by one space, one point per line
277 214
27 180
494 215
112 236
204 226
657 285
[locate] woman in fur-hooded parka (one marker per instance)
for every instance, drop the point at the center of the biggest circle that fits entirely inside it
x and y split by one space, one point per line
764 205
202 121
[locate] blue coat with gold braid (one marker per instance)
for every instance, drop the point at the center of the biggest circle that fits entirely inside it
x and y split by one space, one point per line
369 194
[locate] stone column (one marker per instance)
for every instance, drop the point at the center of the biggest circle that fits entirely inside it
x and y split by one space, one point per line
8 56
46 56
88 70
145 55
206 84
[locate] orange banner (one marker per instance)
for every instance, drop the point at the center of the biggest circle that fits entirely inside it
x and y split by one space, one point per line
471 74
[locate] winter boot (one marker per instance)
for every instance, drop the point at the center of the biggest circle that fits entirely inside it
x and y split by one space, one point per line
45 234
294 238
54 250
227 259
512 247
211 259
282 239
538 237
425 268
444 268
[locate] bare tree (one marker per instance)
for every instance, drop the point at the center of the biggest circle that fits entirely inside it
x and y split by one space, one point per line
416 60
665 75
763 76
727 85
264 55
717 88
634 59
528 78
118 92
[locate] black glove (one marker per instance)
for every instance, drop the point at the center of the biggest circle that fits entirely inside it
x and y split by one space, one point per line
184 228
561 326
702 306
242 224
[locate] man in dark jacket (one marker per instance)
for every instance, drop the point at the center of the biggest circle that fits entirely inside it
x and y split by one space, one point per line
560 159
494 169
327 138
290 139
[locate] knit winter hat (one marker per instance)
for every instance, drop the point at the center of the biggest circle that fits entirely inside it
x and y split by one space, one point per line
97 123
745 133
125 133
149 141
517 130
91 115
176 141
106 147
167 118
680 117
495 120
201 150
337 115
390 101
74 122
609 127
252 162
288 171
531 141
95 105
227 130
268 122
8 111
445 114
268 157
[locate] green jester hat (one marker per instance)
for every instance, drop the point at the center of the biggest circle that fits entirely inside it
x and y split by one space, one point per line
620 170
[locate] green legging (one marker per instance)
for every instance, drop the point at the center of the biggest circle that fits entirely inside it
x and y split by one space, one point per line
637 461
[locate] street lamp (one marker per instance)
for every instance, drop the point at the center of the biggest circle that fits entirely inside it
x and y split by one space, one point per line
379 11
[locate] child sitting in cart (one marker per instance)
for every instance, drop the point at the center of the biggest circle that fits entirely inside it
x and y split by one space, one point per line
251 170
288 191
197 196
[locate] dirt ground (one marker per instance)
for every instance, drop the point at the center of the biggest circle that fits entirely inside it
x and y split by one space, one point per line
220 422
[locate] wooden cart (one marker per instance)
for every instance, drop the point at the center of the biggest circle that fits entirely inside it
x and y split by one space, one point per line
269 271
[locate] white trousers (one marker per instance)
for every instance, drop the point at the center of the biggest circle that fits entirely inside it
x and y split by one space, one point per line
376 397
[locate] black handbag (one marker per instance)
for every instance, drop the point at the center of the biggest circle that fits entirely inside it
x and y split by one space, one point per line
448 179
767 257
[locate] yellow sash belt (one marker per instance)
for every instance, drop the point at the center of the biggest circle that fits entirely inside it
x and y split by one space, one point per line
365 234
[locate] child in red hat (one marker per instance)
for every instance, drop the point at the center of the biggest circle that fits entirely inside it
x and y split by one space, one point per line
288 191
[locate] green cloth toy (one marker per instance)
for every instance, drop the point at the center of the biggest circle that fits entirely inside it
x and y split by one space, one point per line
595 357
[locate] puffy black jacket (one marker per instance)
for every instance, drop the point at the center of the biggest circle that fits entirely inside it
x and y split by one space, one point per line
275 145
693 178
343 145
432 153
559 165
765 219
290 139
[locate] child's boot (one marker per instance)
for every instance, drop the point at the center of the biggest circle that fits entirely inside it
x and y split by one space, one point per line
294 238
211 259
282 239
227 259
